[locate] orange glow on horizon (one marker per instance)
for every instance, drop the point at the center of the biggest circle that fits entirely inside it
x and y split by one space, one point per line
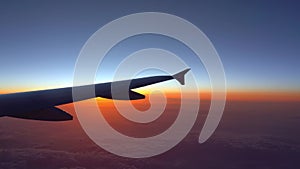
234 95
111 114
254 95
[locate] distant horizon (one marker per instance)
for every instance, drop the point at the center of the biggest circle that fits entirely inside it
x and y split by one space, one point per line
242 95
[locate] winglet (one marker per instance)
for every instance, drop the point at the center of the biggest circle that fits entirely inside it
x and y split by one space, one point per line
180 76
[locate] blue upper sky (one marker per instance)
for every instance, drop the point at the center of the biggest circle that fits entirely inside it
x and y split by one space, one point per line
258 41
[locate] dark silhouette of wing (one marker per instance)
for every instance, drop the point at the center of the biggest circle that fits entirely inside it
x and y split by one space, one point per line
50 114
40 105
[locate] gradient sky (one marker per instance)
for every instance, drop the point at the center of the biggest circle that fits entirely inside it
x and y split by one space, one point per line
258 41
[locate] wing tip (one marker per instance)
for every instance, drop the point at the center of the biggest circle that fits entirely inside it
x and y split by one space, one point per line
180 76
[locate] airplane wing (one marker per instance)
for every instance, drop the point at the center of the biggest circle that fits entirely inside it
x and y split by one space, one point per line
40 105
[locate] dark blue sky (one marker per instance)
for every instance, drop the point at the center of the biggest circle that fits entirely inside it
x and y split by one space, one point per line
258 41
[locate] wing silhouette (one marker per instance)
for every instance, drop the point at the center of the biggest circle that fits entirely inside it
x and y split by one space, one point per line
40 105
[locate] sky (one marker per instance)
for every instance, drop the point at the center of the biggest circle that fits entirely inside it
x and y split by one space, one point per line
257 41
